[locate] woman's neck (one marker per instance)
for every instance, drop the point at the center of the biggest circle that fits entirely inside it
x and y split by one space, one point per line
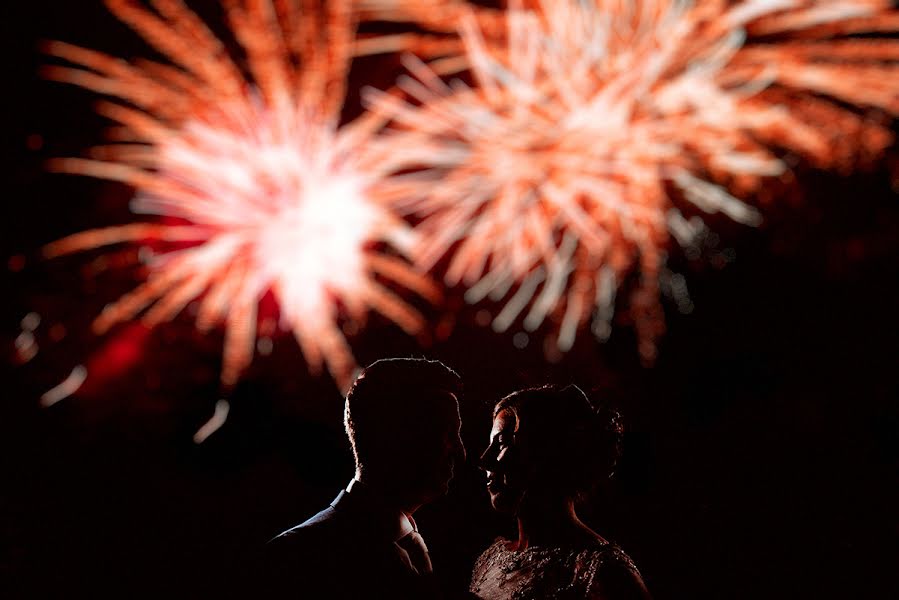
551 523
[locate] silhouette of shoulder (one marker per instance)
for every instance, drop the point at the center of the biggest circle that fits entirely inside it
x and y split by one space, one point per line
339 553
317 527
320 538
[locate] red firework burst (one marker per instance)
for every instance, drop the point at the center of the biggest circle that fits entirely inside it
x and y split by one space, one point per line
255 185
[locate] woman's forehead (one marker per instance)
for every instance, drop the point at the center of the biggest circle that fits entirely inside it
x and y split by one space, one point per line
505 419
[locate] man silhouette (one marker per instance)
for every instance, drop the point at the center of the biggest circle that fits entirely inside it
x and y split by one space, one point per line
402 419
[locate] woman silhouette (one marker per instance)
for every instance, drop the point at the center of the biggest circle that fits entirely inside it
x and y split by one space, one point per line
548 447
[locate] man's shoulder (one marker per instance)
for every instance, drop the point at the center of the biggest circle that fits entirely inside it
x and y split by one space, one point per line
322 526
305 559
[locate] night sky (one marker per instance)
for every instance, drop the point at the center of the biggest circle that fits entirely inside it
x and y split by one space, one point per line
761 448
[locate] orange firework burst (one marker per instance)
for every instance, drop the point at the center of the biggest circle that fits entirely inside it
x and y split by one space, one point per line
593 124
258 188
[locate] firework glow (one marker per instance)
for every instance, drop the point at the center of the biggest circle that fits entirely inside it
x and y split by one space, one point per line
597 132
591 139
254 185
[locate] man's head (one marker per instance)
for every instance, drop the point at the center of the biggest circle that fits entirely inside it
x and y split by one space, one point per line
402 418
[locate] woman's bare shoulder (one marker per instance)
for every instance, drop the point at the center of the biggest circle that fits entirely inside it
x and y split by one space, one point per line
609 573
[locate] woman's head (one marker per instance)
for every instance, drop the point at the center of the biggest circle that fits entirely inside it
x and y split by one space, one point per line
548 443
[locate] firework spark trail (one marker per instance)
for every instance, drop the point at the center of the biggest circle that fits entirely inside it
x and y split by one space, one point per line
65 389
439 17
255 186
215 422
592 125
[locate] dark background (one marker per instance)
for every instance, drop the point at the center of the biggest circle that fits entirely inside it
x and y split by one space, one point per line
761 453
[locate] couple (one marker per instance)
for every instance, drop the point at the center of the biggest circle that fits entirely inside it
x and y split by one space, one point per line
548 445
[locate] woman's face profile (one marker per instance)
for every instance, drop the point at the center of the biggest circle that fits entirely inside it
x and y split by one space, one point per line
502 463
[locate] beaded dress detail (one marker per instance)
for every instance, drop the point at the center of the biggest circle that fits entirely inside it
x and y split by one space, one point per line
545 573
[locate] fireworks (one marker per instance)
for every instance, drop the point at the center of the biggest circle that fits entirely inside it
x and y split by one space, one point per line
255 186
593 127
440 18
591 139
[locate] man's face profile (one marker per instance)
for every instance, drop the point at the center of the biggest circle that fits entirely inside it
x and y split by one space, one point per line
438 445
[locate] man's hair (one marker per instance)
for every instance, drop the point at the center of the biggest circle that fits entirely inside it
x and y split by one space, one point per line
579 440
391 404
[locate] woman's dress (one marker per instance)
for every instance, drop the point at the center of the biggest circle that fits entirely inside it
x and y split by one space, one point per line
550 573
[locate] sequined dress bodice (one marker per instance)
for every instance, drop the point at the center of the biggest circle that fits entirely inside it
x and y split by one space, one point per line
543 572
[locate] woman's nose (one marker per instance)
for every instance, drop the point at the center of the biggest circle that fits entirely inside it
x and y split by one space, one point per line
488 459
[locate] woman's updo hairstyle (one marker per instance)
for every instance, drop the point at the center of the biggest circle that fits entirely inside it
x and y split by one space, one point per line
578 442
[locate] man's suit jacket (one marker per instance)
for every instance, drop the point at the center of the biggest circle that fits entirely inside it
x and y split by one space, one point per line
347 550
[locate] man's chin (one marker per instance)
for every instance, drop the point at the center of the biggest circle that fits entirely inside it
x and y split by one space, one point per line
438 489
502 502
